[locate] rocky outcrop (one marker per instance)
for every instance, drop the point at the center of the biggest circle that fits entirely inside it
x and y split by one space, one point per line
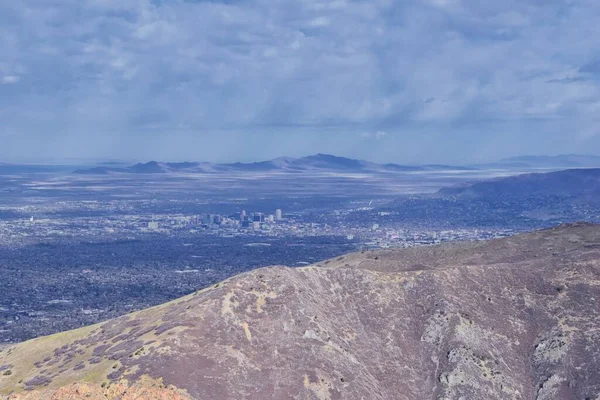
514 318
117 391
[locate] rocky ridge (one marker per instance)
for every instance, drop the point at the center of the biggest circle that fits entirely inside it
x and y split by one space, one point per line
511 318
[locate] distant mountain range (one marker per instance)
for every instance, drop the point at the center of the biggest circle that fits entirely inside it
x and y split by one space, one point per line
318 162
560 161
571 182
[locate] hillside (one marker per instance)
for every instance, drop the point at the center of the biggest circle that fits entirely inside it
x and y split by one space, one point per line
514 318
571 183
563 160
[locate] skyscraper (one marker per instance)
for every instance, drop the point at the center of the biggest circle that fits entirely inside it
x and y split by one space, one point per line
243 215
278 214
258 217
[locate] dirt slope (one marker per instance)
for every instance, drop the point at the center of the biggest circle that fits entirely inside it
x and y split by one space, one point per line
516 318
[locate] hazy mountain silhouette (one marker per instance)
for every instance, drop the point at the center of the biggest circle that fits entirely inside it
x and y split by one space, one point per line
317 162
572 183
559 161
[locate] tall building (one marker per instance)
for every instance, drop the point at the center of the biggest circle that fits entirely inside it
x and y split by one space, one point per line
278 214
243 215
258 217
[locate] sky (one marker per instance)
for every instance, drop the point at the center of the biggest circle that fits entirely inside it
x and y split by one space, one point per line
411 81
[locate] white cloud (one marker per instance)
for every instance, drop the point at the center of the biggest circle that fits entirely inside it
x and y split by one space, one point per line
373 135
319 22
10 79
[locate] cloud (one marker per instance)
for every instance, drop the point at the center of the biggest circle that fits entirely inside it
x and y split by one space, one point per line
592 68
373 135
143 73
319 22
10 79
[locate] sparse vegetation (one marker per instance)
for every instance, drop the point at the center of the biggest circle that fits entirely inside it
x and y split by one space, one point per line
378 298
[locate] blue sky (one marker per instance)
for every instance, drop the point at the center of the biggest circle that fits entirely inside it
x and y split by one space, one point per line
453 81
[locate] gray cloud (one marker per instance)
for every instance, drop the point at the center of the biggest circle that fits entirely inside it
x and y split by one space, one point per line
182 79
592 68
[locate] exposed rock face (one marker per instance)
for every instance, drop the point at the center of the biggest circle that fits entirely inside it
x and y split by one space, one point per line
516 318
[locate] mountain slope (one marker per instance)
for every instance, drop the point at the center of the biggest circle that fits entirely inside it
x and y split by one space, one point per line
563 160
572 182
514 318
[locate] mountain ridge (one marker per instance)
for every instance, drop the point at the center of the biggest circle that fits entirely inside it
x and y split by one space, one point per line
570 182
317 162
329 162
507 318
561 160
